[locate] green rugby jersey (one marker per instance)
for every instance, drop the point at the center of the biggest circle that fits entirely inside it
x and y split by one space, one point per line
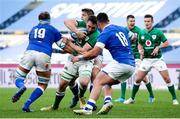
150 40
134 43
91 38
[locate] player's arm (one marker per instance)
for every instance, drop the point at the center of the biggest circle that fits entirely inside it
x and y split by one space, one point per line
63 45
162 45
72 24
90 54
55 50
132 36
141 51
78 49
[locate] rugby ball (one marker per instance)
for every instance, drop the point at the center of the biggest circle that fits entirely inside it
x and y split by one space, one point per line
74 36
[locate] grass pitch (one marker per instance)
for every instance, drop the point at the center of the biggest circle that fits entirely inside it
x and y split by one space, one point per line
161 108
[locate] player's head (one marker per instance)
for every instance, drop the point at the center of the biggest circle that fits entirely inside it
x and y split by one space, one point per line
148 20
86 12
130 21
91 24
44 17
102 20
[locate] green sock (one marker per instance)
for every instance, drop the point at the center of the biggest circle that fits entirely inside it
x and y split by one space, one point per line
58 98
172 91
123 90
134 91
149 88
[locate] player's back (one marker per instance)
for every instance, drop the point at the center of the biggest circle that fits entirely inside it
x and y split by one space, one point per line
41 38
118 44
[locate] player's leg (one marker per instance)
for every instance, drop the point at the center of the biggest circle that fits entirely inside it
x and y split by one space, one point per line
95 93
149 88
23 69
68 74
21 74
147 82
96 69
43 72
160 65
85 71
42 85
170 85
122 94
107 89
73 85
109 76
140 74
60 93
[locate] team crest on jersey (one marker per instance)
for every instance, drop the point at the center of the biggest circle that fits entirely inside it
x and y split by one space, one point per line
148 43
142 37
154 37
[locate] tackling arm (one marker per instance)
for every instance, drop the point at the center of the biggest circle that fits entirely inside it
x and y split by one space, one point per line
78 49
88 55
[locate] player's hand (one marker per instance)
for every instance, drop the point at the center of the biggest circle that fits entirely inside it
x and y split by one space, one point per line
75 59
141 52
155 51
134 37
81 35
65 40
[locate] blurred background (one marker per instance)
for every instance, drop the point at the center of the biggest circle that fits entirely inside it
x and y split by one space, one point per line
17 17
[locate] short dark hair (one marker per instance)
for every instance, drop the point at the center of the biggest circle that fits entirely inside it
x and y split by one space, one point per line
102 17
44 16
93 19
89 11
149 16
129 16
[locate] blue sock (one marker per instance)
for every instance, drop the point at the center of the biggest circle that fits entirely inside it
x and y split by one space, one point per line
107 99
34 96
19 82
90 104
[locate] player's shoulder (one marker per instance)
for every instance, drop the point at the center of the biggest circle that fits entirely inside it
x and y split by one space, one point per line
137 27
52 28
157 29
143 31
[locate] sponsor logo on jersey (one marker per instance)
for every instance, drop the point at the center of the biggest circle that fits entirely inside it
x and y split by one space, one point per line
142 37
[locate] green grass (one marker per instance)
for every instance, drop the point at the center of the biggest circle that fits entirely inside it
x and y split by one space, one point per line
161 108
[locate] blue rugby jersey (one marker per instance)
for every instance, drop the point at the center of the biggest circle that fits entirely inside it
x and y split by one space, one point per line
41 38
115 39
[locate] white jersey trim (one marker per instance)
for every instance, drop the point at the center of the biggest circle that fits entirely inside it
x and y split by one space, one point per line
101 45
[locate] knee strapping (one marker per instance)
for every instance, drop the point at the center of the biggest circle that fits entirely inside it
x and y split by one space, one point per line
43 80
20 74
137 83
60 93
